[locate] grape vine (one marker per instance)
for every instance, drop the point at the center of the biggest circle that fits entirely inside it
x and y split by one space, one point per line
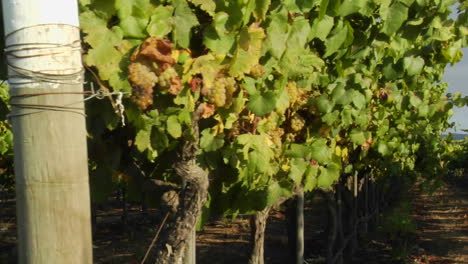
284 83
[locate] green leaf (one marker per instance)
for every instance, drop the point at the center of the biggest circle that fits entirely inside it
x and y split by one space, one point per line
97 32
262 103
331 117
323 8
248 52
320 152
359 99
336 41
298 168
298 151
277 33
133 27
310 178
142 140
383 149
184 21
209 142
161 22
217 37
134 16
423 110
349 7
357 137
324 105
298 34
393 17
413 65
328 175
173 127
276 191
321 28
209 6
415 101
261 8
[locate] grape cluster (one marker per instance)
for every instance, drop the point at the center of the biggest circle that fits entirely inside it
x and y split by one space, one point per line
276 135
222 92
297 122
292 92
297 96
170 81
257 71
143 80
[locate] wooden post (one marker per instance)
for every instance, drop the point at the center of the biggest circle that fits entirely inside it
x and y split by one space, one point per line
190 249
295 221
42 47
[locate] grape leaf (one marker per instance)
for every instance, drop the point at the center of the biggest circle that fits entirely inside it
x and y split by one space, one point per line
277 33
338 38
207 66
321 28
173 127
133 17
209 6
349 7
210 142
161 22
413 65
142 140
298 168
248 51
184 21
393 17
298 151
276 191
359 99
328 175
357 137
320 152
261 8
262 103
217 37
310 178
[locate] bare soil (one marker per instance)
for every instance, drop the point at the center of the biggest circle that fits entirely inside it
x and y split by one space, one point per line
442 219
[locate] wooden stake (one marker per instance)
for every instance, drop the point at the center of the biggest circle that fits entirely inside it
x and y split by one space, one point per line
51 166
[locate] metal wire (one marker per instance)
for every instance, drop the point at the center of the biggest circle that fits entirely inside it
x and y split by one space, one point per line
69 76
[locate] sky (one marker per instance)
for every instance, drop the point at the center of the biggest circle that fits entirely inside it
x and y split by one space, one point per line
457 78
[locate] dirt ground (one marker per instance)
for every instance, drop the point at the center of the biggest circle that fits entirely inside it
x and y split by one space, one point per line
441 238
442 220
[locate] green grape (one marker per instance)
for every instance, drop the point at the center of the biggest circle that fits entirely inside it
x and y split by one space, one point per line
231 88
272 121
276 136
222 92
292 92
297 122
169 81
142 75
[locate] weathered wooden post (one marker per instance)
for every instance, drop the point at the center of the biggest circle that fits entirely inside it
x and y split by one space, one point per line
42 48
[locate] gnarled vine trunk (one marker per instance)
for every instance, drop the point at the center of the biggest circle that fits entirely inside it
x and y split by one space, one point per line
177 231
258 223
185 208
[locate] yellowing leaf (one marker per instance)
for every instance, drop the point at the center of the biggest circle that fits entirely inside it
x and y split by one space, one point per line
208 6
249 50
